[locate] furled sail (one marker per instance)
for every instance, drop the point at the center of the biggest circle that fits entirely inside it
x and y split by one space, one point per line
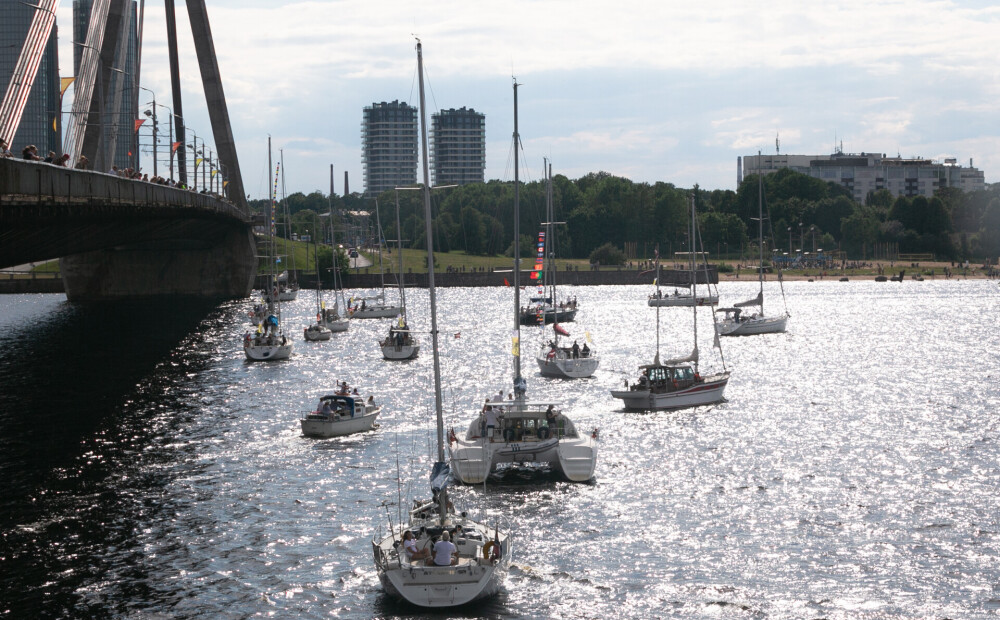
756 301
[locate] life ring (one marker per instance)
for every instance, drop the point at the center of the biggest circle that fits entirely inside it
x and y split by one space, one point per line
488 549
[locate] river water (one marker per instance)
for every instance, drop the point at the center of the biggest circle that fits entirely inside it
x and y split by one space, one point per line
854 472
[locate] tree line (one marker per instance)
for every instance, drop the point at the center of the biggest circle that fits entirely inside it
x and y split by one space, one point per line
602 208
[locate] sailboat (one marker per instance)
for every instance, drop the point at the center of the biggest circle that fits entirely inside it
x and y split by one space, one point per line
401 343
555 360
675 383
269 343
439 557
318 331
284 289
735 322
526 432
332 319
377 308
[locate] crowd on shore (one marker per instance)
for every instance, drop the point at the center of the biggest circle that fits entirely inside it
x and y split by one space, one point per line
30 153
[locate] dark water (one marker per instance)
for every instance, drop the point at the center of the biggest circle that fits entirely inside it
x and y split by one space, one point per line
149 471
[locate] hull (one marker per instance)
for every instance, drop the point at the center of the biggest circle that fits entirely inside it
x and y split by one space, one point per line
753 326
316 333
567 368
266 353
472 461
376 312
288 295
319 426
549 317
682 301
472 579
705 393
399 352
336 326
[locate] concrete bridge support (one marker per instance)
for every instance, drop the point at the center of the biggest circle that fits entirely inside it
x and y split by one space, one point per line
221 268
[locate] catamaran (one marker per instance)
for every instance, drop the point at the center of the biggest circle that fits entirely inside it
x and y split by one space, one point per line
519 431
439 557
676 383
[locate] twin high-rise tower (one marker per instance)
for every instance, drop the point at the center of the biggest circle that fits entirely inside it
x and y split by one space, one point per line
389 135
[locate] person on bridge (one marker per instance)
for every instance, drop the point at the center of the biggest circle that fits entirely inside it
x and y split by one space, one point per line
5 149
83 163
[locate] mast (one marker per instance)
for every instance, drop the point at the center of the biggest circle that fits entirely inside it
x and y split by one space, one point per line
519 383
438 409
760 233
694 283
378 231
288 218
656 360
399 251
333 246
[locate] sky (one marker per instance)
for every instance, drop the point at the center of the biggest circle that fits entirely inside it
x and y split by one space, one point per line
651 91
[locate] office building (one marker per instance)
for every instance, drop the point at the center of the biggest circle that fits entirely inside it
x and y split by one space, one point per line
458 147
40 124
389 143
862 173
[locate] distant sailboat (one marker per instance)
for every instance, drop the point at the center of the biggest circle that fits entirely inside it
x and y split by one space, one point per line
736 322
401 343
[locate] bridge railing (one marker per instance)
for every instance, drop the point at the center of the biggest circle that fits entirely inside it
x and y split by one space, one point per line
30 182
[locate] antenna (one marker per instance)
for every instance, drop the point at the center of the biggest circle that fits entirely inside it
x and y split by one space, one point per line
777 143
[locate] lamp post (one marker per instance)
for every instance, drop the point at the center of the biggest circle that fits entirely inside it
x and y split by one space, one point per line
789 241
812 229
152 114
802 243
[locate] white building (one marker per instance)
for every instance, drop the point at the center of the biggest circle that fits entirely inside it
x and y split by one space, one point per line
866 172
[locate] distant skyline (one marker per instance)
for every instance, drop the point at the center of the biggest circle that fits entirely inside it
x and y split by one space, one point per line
645 91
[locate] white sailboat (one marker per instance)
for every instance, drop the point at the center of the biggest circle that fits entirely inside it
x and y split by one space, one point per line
401 343
736 321
554 359
675 383
269 343
332 318
375 307
439 557
518 431
318 331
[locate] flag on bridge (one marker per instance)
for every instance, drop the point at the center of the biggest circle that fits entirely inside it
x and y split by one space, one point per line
138 123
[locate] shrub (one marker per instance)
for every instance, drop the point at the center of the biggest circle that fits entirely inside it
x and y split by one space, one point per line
607 254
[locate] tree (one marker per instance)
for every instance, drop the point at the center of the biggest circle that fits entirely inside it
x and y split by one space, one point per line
607 254
858 230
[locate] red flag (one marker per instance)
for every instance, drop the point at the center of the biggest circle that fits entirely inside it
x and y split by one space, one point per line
505 282
174 146
458 334
138 123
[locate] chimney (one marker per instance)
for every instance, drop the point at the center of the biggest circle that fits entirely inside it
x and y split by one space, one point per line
739 171
346 189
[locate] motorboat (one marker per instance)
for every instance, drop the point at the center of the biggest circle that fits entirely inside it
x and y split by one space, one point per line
341 414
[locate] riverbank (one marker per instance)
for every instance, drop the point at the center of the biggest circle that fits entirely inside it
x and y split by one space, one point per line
51 282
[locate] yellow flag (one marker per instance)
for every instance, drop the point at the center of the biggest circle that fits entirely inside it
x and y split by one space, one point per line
64 84
587 334
197 162
654 281
54 126
322 304
213 172
260 330
516 347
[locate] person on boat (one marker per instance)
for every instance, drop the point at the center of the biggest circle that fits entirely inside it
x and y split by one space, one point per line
491 422
363 304
355 392
326 409
371 400
410 548
343 388
576 350
499 399
585 352
445 552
